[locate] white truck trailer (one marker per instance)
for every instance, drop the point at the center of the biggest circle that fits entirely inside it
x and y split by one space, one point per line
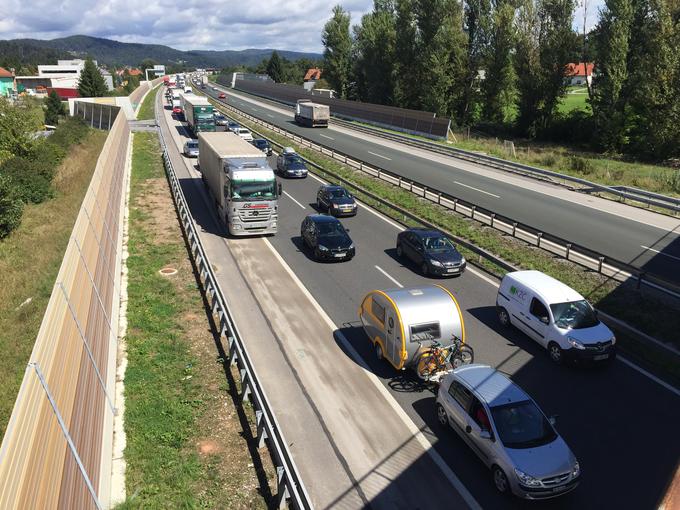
312 114
241 182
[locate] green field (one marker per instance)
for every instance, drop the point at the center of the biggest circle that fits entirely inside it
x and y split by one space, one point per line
575 99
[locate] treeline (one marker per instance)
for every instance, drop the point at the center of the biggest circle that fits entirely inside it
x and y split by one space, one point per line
502 64
279 68
24 58
27 163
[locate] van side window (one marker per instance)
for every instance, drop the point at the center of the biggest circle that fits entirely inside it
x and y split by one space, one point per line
538 309
378 311
461 394
425 332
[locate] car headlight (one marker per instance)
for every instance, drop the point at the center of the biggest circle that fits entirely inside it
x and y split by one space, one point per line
462 261
576 470
575 343
613 340
526 479
436 263
335 206
351 246
323 248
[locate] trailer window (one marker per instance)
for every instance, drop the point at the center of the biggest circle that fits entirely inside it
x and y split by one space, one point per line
425 332
378 311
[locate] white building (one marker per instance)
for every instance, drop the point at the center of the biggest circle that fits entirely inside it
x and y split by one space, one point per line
64 75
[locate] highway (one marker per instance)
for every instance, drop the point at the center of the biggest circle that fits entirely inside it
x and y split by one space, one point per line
612 417
645 240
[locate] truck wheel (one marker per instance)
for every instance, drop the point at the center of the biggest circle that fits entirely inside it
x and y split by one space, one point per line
555 353
503 317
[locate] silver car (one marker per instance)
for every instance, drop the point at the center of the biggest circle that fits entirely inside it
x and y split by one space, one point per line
508 432
191 149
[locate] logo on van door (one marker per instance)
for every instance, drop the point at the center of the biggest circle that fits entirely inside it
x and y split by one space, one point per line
518 293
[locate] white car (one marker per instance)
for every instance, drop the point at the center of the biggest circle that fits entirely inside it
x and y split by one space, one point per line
244 133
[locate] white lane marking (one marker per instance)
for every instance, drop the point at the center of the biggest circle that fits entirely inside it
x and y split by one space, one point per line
390 277
380 155
476 189
659 252
291 197
654 378
270 115
408 422
326 136
482 276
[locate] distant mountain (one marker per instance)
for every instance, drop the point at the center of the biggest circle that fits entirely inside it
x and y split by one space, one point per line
109 52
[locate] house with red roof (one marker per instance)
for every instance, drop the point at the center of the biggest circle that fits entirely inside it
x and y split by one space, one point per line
579 74
7 82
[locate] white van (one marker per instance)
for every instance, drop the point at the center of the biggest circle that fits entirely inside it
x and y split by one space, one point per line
555 316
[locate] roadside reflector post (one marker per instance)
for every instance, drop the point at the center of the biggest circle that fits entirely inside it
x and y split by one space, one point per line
539 235
600 261
439 198
568 251
492 217
472 211
514 228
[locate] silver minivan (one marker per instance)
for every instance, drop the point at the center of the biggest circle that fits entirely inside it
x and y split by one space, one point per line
508 432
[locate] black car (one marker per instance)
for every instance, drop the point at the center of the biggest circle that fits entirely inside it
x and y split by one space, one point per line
291 165
432 251
263 145
336 200
326 236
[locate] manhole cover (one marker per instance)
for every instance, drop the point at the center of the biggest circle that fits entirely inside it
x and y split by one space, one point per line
168 271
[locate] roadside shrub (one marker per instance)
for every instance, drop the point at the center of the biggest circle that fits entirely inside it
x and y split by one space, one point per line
47 153
32 180
670 180
70 131
11 207
548 160
581 165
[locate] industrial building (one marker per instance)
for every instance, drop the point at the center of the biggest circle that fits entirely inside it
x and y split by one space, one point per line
62 77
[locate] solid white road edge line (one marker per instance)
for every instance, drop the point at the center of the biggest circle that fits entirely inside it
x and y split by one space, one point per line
659 252
654 378
390 277
291 197
380 155
417 433
476 189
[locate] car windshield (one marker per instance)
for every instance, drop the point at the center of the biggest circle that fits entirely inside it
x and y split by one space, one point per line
522 425
574 315
339 193
260 143
192 145
294 161
253 190
330 228
438 244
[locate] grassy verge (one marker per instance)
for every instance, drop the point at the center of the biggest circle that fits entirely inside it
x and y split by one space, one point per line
29 262
186 443
655 317
146 111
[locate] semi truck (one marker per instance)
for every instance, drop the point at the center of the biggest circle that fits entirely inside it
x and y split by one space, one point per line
311 114
199 113
204 81
241 183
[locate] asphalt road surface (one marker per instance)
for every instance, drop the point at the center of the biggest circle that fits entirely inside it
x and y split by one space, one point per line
618 422
643 239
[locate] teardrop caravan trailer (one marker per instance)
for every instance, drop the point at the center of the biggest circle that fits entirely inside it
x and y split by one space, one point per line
399 321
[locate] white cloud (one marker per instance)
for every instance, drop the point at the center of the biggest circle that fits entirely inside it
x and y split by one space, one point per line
182 24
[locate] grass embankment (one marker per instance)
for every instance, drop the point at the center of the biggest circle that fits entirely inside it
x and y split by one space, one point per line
146 111
186 447
656 318
30 258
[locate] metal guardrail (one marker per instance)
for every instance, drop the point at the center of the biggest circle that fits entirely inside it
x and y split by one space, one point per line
290 488
621 192
570 251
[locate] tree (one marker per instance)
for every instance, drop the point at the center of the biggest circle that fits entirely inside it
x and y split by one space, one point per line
337 53
608 102
91 83
406 49
375 54
11 207
16 127
478 28
498 86
275 68
54 109
147 63
545 43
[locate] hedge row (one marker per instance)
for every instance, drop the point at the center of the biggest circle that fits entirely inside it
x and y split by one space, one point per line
28 179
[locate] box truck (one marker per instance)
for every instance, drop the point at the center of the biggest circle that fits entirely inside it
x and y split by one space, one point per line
198 112
311 114
241 183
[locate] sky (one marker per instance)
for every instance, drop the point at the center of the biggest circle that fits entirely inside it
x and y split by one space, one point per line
191 24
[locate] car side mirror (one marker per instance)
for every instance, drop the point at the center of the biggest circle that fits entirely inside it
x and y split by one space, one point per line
346 230
280 188
485 434
545 320
553 420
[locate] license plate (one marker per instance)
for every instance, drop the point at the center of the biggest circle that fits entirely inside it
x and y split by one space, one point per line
338 255
452 270
600 357
559 489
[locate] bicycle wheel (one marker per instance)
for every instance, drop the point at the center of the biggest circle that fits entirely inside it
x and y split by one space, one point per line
464 356
428 365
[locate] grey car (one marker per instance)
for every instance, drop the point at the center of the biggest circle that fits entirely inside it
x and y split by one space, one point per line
191 148
508 432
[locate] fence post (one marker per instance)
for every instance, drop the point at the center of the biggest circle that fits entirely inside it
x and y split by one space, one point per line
492 216
514 228
101 114
600 261
472 211
568 250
